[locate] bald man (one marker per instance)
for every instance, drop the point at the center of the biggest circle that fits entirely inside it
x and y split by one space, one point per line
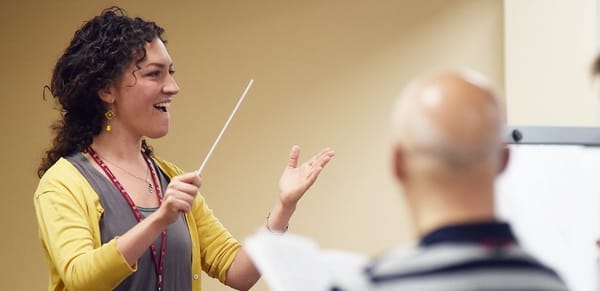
447 153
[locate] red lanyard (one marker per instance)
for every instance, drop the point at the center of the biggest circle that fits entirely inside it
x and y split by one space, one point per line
158 263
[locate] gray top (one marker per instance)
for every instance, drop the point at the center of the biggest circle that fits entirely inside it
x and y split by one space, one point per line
118 219
146 211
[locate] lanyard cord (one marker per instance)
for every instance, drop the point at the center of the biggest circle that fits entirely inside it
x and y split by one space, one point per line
158 263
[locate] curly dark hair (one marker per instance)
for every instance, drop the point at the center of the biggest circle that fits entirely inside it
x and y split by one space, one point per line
98 55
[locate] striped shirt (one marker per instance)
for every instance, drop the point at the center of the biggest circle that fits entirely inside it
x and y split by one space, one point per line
482 257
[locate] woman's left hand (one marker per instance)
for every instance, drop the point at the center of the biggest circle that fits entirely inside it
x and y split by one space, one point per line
296 179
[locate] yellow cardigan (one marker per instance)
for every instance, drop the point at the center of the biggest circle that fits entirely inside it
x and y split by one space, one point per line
68 213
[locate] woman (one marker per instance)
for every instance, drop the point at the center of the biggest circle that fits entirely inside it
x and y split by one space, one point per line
111 214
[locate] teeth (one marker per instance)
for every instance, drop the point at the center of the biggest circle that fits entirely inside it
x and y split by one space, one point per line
163 105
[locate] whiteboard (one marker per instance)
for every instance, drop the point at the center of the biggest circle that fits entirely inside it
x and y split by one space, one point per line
551 196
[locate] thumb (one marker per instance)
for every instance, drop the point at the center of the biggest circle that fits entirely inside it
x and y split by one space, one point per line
294 154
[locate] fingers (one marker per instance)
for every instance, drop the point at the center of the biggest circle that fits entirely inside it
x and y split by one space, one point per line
189 178
180 193
177 204
325 151
322 158
313 167
294 155
317 163
184 186
313 175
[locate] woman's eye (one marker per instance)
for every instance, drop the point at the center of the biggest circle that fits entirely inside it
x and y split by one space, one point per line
153 74
172 72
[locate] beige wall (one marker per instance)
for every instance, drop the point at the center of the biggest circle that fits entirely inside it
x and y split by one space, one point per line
326 73
549 48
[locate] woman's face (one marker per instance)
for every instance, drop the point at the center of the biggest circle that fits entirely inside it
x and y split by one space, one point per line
140 99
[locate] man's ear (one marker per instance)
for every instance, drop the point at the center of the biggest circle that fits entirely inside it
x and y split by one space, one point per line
505 158
399 162
106 94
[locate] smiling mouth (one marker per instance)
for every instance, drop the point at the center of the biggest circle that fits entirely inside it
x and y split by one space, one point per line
162 106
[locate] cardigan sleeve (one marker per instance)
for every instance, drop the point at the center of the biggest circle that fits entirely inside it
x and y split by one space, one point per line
65 217
218 248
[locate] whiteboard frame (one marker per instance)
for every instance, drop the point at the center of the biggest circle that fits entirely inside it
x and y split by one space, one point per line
552 135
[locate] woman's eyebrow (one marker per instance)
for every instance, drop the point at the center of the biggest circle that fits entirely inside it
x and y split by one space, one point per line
159 65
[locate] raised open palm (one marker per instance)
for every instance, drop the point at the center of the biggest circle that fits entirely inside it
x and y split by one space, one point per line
296 179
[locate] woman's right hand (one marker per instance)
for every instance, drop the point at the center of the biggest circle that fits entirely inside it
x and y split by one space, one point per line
179 197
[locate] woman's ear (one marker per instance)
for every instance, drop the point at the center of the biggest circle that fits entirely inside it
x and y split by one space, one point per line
106 94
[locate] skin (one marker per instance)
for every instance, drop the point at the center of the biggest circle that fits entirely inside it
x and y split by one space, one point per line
133 98
448 149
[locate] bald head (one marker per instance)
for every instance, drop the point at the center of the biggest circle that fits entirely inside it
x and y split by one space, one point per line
453 118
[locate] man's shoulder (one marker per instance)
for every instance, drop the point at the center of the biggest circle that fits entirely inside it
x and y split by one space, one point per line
460 266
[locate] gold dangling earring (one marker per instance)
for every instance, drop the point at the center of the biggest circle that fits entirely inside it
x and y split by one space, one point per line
109 116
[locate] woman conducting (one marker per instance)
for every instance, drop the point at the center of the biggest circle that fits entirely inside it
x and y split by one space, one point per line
112 215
